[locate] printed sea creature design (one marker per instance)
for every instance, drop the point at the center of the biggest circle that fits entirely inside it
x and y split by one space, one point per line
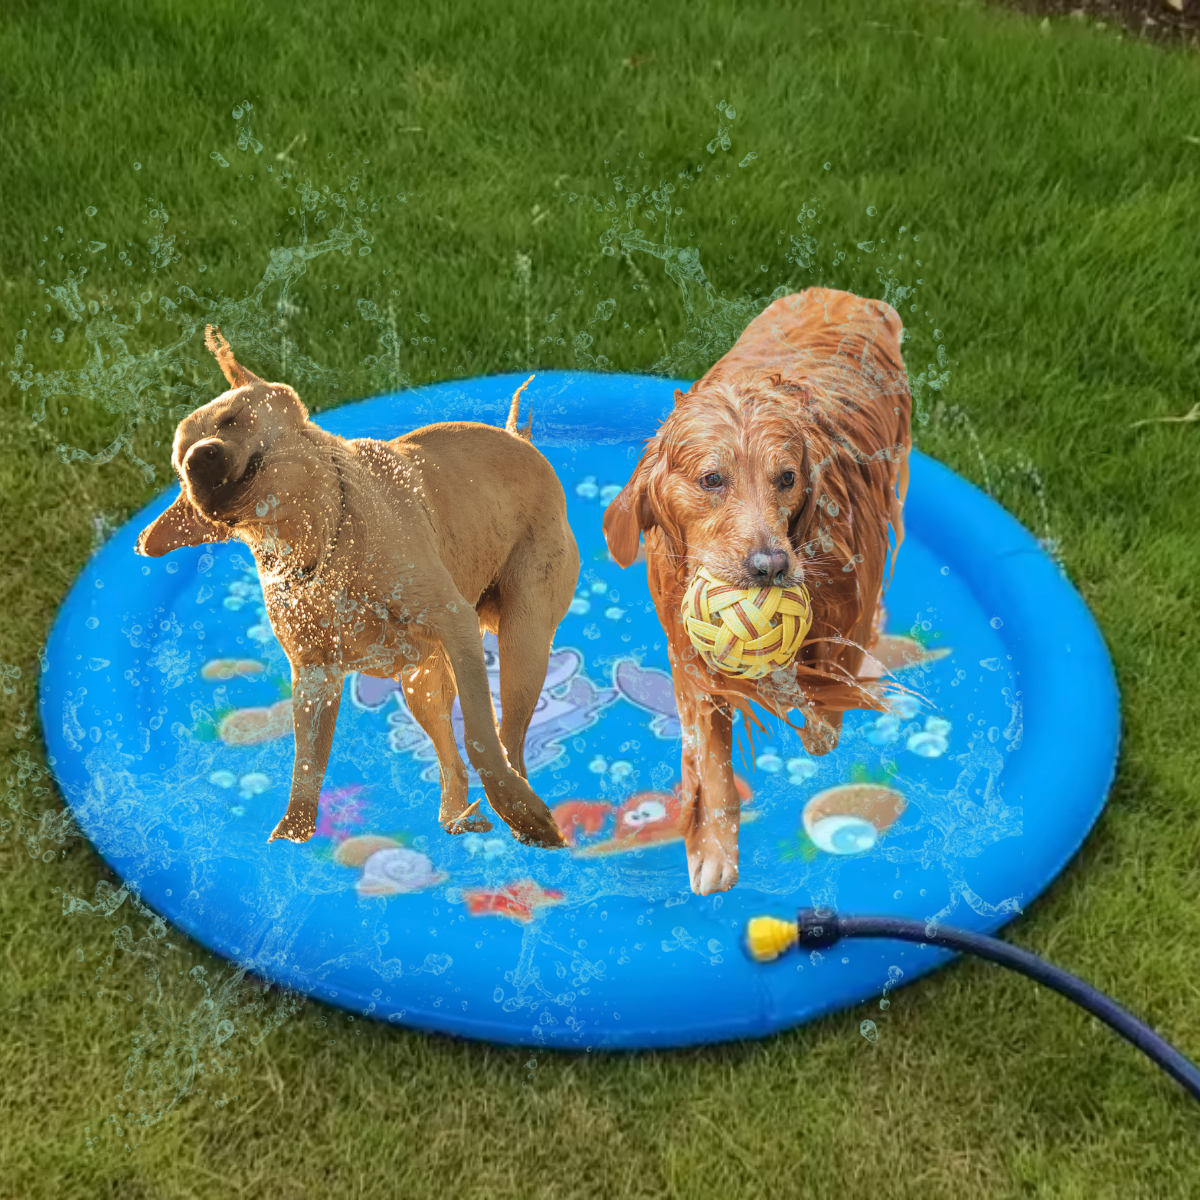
933 740
652 690
223 669
250 726
896 652
852 817
388 868
339 811
645 819
518 901
569 703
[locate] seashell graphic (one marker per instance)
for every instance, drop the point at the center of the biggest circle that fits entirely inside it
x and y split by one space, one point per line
355 851
851 818
222 669
388 869
250 726
396 870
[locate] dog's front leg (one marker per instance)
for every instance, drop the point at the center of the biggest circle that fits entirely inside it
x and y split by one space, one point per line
316 697
711 813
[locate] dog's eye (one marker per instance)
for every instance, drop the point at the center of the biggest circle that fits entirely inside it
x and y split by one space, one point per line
711 481
787 479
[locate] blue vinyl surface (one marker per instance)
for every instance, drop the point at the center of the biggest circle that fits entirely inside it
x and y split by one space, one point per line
166 711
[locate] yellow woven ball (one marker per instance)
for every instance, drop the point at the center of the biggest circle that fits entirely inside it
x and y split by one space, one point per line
745 632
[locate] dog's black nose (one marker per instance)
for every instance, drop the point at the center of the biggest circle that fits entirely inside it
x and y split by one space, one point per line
766 564
206 464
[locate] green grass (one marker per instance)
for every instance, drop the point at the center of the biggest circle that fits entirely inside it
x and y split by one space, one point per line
1053 178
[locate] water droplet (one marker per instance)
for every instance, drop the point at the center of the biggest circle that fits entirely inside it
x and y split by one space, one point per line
90 210
872 210
137 166
995 622
868 1030
827 166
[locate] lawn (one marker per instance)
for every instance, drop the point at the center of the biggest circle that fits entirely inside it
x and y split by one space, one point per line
369 195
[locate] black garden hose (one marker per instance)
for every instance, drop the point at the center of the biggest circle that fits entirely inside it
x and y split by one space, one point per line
816 931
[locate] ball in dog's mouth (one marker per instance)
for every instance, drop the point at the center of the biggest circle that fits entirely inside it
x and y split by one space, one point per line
745 632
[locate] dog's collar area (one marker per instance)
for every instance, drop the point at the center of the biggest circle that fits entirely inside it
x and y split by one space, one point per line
305 574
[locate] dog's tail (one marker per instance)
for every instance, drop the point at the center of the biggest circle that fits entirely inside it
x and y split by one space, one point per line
510 426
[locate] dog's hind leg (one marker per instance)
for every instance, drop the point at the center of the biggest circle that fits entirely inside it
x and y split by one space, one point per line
521 809
524 640
429 691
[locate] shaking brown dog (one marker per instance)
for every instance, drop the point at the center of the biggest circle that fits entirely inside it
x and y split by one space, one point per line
784 465
388 558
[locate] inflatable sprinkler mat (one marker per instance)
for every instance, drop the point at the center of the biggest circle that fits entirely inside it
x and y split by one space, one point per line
166 705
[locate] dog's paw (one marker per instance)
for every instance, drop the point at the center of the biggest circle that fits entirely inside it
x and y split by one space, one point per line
711 868
296 826
468 820
465 824
526 814
533 828
548 838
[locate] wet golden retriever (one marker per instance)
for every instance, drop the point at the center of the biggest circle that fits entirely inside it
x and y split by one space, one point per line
786 464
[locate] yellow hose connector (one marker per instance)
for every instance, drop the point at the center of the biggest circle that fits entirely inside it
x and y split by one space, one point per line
769 937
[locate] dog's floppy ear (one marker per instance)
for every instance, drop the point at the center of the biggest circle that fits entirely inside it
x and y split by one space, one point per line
630 511
800 522
180 525
233 370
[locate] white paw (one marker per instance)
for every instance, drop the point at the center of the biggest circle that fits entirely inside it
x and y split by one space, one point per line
711 868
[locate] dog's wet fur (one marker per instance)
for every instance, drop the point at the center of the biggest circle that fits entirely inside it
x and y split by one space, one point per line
388 558
786 464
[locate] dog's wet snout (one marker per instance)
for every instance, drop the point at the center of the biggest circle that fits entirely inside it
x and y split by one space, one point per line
207 464
767 563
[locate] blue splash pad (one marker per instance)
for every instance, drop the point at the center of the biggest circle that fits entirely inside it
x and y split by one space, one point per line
165 705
